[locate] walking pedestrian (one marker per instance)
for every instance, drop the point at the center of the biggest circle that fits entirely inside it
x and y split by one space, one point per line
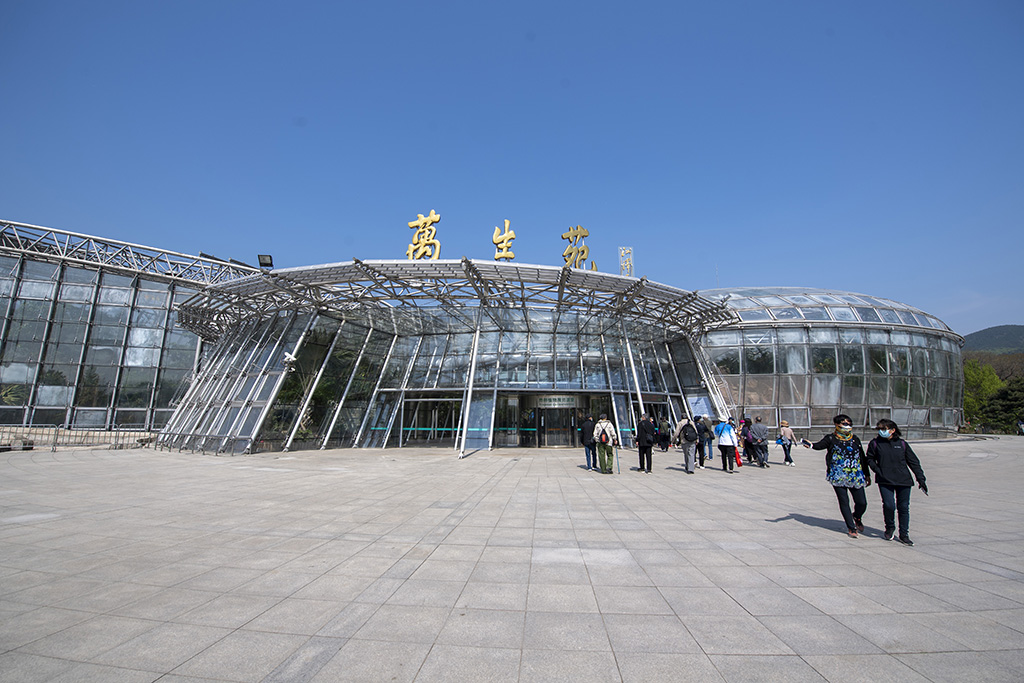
847 470
664 433
787 438
587 439
686 435
759 440
708 440
606 439
727 441
647 433
892 460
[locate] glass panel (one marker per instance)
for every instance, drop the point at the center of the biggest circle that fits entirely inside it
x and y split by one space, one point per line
115 296
852 359
842 313
868 315
889 315
760 360
76 293
727 360
824 389
152 299
851 336
479 428
823 359
792 389
878 363
53 395
759 336
722 338
380 416
36 290
814 313
899 360
878 391
754 315
824 335
148 317
770 301
878 337
853 390
759 390
786 314
797 417
791 335
821 416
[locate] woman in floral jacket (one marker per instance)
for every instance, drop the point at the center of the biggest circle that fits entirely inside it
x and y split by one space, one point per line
847 470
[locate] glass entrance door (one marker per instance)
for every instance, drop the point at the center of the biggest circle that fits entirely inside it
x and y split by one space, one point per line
556 428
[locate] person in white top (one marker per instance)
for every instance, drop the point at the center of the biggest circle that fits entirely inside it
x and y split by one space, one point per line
727 441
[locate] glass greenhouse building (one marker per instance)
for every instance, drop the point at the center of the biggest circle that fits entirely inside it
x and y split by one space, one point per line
804 355
223 357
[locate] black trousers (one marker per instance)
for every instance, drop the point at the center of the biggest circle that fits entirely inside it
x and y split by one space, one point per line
728 457
860 505
645 455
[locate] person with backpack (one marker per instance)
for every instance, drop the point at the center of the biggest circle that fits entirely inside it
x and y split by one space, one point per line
892 460
664 433
686 435
606 440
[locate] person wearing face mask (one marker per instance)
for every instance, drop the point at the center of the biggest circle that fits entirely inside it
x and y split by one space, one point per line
892 460
847 470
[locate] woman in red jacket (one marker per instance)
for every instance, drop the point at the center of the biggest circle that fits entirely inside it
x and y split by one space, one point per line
892 460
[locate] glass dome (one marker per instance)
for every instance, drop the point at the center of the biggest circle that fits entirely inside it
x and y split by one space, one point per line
795 305
805 355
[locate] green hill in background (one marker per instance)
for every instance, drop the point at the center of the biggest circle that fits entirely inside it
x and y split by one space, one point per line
999 339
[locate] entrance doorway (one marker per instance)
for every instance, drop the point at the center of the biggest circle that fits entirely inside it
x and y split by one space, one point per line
557 428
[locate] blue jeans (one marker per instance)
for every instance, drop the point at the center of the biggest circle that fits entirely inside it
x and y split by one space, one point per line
590 450
896 499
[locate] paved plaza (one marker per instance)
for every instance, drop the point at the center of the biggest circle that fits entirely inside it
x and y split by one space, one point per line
412 565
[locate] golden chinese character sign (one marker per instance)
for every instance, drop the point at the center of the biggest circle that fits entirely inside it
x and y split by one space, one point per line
503 242
424 240
576 253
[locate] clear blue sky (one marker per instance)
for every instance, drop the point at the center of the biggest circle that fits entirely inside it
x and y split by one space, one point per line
865 146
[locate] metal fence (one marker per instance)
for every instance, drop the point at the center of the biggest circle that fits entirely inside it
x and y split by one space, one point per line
19 437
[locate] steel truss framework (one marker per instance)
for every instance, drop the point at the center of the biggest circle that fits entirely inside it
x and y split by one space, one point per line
417 297
351 342
60 246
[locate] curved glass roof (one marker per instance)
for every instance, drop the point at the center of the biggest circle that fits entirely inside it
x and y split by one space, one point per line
800 304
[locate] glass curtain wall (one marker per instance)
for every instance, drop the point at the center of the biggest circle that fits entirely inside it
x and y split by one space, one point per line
808 375
89 348
353 385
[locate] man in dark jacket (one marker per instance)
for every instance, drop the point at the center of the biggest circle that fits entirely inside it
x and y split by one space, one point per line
587 439
759 440
892 460
647 434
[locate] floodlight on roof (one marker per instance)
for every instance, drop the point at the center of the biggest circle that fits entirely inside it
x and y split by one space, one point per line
265 260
